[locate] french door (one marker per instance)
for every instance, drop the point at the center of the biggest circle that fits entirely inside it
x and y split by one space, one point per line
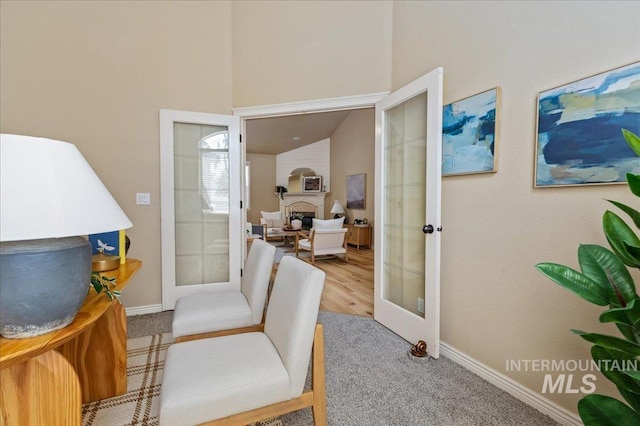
408 177
201 184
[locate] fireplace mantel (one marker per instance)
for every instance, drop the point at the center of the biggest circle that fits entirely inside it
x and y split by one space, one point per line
313 198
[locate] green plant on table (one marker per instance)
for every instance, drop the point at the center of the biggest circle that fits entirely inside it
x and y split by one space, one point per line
101 283
298 216
605 281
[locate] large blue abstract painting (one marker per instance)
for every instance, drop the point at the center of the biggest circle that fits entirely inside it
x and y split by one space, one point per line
469 134
579 129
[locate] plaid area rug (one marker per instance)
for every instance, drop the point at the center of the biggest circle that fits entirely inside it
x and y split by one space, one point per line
140 404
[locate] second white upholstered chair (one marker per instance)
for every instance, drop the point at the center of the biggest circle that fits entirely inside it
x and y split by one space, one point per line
327 237
242 378
198 315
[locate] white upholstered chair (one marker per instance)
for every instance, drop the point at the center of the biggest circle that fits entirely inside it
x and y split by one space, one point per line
247 377
199 314
272 223
327 237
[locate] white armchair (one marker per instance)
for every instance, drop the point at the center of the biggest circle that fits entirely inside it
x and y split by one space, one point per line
204 315
327 237
243 378
272 223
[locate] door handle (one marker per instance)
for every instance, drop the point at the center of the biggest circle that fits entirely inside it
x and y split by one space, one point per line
428 229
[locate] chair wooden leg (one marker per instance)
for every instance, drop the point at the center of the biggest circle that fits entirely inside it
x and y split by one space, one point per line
317 379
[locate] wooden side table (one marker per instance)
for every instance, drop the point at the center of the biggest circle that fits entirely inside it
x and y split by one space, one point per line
48 377
358 235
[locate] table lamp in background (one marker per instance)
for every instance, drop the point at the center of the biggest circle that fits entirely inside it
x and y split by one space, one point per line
337 210
50 198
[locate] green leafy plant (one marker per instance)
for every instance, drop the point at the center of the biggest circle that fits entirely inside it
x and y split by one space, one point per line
101 283
604 280
298 216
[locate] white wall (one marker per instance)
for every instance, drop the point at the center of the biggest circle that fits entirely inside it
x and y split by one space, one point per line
316 156
496 226
96 74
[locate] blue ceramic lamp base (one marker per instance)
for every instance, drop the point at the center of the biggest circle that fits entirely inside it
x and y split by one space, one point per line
43 284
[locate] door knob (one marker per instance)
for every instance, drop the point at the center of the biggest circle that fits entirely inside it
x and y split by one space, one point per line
428 229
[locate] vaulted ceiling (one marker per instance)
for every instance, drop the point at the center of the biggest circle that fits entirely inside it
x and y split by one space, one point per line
275 135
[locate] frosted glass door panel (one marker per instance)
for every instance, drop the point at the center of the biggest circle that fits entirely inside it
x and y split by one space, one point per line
201 164
404 203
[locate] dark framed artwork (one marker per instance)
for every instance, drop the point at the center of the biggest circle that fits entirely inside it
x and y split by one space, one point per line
312 184
579 135
469 134
356 191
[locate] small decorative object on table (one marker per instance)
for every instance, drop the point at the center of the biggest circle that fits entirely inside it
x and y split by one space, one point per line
296 221
102 283
114 243
104 262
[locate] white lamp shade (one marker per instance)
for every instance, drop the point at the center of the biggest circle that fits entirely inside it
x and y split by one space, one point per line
337 208
48 190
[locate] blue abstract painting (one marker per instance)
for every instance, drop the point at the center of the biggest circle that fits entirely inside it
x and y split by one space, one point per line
579 129
469 134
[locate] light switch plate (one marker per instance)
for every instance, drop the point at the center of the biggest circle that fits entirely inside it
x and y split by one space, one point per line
143 198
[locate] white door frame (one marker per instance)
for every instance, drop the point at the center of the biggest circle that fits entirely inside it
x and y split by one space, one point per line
311 106
297 108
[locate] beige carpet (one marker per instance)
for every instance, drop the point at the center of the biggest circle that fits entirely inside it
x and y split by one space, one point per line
139 405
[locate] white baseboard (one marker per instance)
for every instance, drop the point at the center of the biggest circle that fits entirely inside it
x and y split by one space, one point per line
524 394
141 310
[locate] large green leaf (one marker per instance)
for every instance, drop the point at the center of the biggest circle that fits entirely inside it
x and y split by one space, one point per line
633 213
600 410
605 268
634 183
633 399
576 282
611 342
629 315
633 140
628 332
613 365
634 251
619 235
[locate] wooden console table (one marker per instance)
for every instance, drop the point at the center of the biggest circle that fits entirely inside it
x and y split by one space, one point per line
45 379
358 235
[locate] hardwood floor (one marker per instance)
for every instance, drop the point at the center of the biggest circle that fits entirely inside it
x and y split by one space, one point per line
348 287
